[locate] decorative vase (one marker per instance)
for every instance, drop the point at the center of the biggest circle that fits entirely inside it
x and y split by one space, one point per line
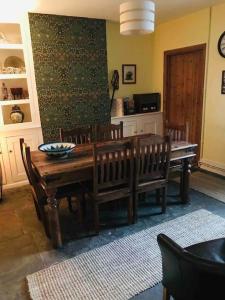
16 115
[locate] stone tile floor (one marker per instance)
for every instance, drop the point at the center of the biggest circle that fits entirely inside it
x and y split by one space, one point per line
24 249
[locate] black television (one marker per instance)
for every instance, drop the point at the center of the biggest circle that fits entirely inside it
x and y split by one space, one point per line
149 102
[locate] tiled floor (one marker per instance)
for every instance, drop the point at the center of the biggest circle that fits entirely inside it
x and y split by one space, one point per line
24 248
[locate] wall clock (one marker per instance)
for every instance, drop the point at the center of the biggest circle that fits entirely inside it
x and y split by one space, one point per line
221 45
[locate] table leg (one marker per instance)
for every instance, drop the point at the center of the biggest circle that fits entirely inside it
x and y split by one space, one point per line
53 215
185 178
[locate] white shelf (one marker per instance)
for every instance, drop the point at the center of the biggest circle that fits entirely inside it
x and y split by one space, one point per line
17 126
13 102
11 46
12 76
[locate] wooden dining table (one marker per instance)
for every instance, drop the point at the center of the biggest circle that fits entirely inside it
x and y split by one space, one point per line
78 167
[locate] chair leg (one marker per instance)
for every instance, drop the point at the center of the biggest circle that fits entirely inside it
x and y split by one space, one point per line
69 200
80 209
166 295
130 210
44 220
164 200
158 196
96 217
37 210
135 207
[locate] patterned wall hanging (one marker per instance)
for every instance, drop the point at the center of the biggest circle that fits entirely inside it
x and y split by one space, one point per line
70 61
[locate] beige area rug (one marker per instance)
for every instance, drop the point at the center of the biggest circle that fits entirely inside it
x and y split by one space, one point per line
208 184
125 267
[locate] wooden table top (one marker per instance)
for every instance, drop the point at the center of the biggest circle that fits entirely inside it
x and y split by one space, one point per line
81 158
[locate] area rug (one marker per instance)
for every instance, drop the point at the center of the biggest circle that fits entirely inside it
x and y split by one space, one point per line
125 267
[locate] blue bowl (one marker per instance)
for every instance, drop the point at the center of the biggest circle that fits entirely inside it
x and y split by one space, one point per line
57 149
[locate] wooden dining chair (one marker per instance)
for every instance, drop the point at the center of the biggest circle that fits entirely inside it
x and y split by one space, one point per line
177 132
113 176
109 132
38 191
151 168
79 135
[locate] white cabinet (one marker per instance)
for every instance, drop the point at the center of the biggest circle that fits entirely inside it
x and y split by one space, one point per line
141 123
3 166
130 127
13 147
10 156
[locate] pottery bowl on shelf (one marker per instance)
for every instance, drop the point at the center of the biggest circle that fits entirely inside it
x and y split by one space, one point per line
57 149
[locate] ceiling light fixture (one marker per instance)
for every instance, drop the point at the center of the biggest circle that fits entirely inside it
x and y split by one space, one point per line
137 17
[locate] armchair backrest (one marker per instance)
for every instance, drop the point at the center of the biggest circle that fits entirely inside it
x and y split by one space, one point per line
187 276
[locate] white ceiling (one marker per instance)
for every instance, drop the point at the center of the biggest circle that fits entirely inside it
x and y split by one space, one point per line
109 9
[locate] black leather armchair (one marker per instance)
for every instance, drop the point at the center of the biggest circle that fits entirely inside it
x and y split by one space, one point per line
194 273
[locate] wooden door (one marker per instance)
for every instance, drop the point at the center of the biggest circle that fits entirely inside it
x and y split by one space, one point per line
184 71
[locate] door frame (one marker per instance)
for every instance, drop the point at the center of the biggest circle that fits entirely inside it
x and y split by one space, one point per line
167 55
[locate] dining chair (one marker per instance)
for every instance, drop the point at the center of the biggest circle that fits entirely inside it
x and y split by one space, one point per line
112 176
109 132
79 135
152 161
193 273
38 191
177 132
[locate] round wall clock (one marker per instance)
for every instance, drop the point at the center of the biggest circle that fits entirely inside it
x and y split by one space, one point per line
221 45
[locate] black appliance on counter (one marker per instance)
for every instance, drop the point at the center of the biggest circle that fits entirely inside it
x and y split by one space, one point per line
145 103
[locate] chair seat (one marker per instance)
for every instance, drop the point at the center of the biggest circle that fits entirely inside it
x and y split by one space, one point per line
108 195
147 186
69 190
213 250
62 192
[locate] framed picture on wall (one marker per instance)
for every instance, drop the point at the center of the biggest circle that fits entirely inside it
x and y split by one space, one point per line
129 74
223 83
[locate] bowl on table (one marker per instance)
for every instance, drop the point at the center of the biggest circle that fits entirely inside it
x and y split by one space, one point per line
59 149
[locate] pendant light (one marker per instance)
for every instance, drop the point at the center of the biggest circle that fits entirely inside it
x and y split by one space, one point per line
137 17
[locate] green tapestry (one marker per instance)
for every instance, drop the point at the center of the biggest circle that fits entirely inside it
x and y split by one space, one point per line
70 61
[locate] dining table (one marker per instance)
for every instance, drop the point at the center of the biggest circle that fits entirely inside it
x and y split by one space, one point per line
54 173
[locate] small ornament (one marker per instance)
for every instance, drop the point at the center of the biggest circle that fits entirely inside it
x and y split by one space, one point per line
5 94
3 39
16 115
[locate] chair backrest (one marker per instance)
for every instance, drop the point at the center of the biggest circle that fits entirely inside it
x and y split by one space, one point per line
23 156
109 132
152 158
37 190
79 135
177 132
113 165
187 276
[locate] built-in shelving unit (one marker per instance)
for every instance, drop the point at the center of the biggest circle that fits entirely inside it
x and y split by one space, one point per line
17 77
14 89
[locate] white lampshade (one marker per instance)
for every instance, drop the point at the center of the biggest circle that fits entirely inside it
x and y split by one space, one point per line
137 17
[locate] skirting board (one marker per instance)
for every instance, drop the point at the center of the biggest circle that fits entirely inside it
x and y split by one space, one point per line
212 166
15 185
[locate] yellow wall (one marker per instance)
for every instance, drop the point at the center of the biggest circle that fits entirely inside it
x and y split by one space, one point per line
129 50
147 52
